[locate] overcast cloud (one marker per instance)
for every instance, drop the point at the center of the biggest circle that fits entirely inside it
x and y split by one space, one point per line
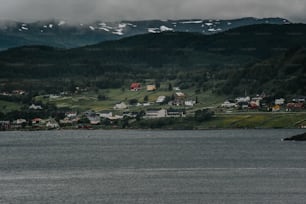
112 10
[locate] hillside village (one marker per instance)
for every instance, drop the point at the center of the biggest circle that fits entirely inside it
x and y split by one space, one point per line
177 105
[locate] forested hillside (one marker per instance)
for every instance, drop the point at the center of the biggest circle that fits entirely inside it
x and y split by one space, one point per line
257 57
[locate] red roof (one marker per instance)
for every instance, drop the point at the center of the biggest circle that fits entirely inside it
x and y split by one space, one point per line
135 86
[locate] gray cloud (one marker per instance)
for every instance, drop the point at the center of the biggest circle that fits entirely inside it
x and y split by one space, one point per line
111 10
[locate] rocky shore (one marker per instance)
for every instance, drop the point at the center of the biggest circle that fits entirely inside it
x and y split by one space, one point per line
300 137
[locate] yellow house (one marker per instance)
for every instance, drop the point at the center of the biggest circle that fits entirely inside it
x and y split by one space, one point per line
276 108
151 87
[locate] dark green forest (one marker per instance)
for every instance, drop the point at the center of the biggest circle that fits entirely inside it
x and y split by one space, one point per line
254 58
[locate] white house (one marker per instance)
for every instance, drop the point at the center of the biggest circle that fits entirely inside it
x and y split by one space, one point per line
156 113
147 104
52 124
280 101
20 121
190 103
71 114
175 113
35 107
160 99
228 104
94 119
106 115
243 99
120 106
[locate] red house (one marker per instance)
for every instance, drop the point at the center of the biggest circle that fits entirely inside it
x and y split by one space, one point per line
295 106
135 87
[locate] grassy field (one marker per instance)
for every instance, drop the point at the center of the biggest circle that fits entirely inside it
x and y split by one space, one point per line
256 120
90 100
6 106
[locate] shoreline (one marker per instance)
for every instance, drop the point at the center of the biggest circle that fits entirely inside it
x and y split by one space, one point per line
151 129
218 122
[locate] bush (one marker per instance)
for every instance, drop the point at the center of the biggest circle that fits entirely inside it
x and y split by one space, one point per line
203 115
133 101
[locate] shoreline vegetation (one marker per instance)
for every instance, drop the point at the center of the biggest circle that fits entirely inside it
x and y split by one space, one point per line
245 120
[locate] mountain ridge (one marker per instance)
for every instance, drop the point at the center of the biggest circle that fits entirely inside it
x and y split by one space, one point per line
59 33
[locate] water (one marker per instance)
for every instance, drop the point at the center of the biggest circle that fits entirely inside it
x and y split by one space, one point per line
155 167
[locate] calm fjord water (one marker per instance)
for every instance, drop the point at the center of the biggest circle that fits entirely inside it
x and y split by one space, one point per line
221 166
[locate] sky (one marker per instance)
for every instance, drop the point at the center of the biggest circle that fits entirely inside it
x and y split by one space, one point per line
84 11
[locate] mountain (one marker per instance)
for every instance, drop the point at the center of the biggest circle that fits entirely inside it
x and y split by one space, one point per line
282 75
61 34
255 57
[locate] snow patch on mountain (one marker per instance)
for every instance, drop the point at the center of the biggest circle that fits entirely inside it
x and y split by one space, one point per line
132 25
212 30
112 30
105 29
118 32
61 23
192 22
122 25
153 30
165 28
162 28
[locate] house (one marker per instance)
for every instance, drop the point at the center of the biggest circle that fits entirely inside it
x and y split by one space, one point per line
276 108
254 104
160 99
243 99
151 87
190 103
130 114
279 101
156 113
299 99
21 121
71 114
120 106
69 121
243 105
294 106
175 113
256 100
116 117
35 107
94 119
52 124
18 92
106 114
38 122
147 104
135 87
4 125
179 98
228 104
